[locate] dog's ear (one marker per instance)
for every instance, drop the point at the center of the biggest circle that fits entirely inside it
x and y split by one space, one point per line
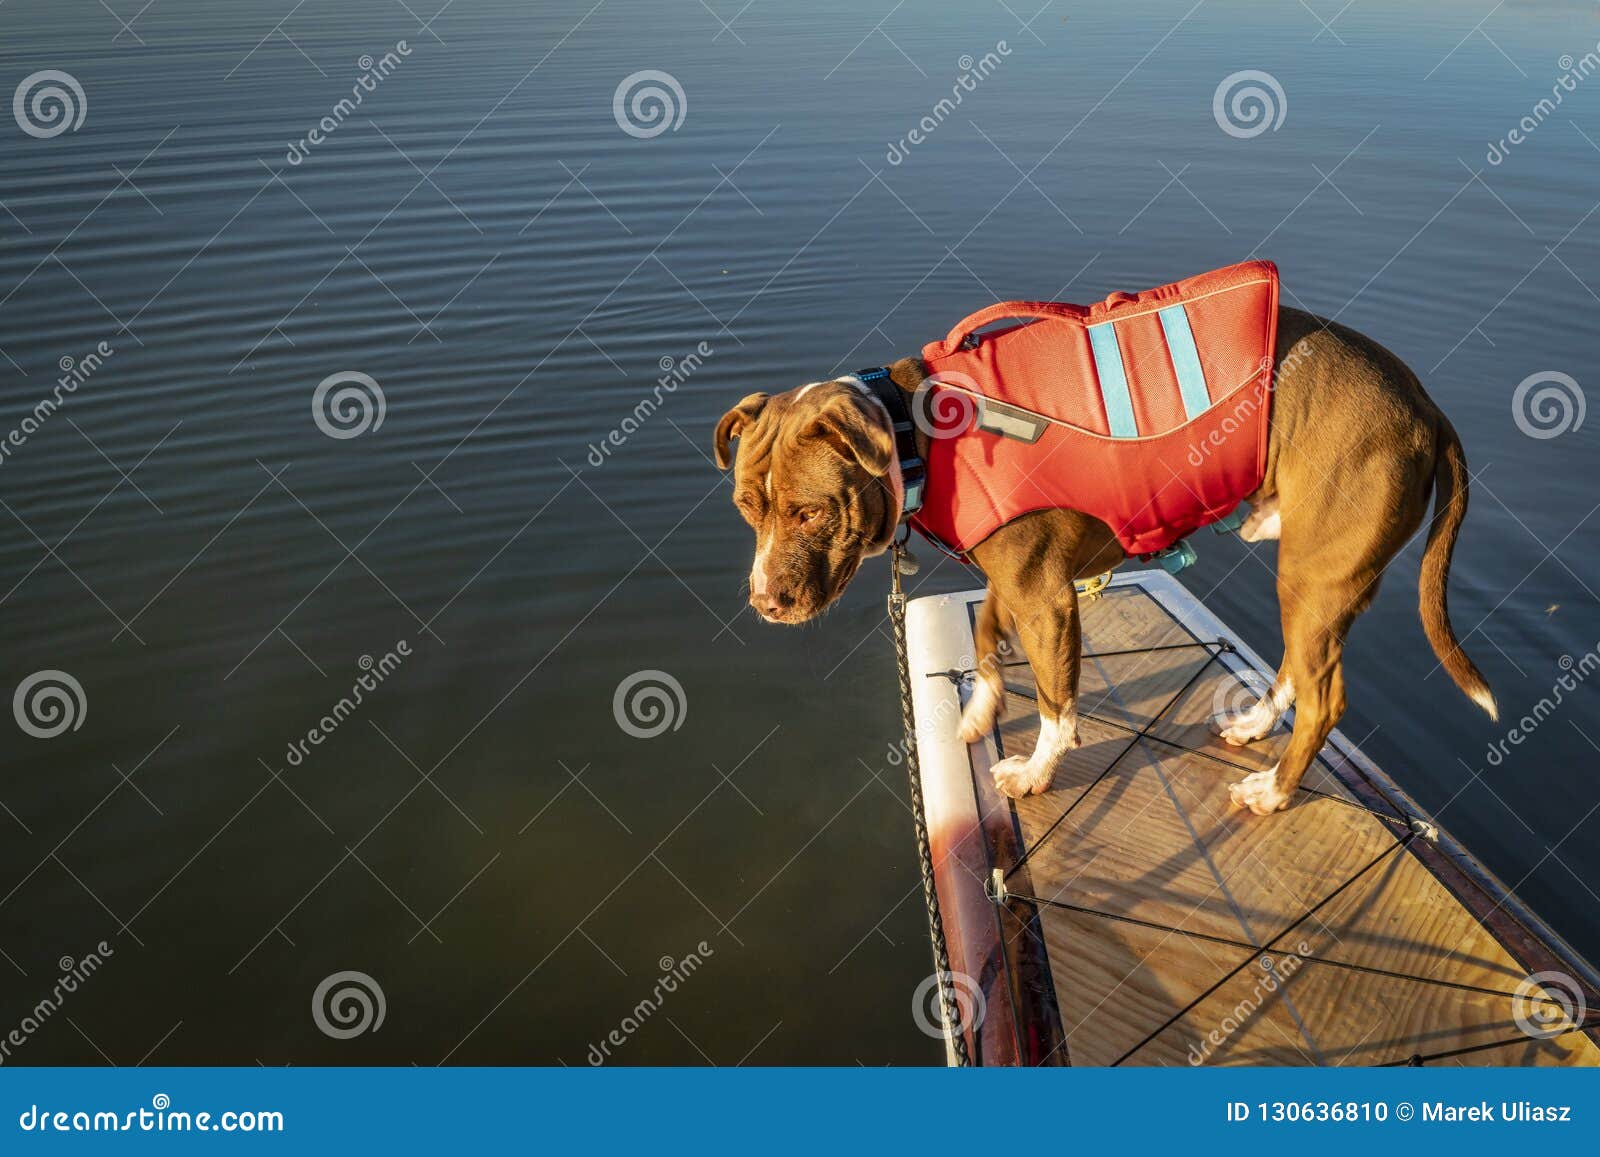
855 428
733 424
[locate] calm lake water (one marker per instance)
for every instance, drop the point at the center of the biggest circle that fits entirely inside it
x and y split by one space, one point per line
512 270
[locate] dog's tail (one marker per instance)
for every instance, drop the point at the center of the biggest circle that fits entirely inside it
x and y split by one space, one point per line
1449 508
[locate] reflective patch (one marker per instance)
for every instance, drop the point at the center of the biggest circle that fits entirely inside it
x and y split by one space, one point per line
1113 380
1009 421
1185 360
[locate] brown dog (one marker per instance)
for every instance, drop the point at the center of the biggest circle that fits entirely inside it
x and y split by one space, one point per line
1356 448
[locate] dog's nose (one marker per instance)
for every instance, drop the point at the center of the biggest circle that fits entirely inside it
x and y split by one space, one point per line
766 604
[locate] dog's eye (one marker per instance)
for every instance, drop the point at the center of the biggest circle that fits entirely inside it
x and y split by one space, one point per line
807 514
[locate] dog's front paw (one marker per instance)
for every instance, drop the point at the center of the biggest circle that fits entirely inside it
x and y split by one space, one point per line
1019 777
1259 792
981 713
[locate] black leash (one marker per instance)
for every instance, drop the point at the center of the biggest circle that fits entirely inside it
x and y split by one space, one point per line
941 950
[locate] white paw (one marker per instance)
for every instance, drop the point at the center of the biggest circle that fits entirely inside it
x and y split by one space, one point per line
981 713
1259 792
1241 727
1019 777
1263 524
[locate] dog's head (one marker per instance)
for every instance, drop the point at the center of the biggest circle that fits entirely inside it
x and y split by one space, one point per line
816 481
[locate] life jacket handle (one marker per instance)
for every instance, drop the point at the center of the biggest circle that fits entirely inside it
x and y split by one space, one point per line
1001 310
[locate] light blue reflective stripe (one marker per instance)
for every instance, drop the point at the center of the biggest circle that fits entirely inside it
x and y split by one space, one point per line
1113 381
1186 360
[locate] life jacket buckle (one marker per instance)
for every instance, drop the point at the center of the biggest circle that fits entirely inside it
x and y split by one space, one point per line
1179 556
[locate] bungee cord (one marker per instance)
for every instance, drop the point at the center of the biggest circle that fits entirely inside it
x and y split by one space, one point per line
1257 950
1418 1060
1110 767
1400 843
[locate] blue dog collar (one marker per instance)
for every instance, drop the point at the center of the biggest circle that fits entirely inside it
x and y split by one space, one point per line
913 470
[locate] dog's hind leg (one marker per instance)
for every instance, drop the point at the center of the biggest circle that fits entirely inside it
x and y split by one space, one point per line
988 702
1315 624
1325 580
1257 722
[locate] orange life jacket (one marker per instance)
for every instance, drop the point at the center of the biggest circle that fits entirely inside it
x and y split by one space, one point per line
1148 411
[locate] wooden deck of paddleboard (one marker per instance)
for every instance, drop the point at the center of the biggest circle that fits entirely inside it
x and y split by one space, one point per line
1149 922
